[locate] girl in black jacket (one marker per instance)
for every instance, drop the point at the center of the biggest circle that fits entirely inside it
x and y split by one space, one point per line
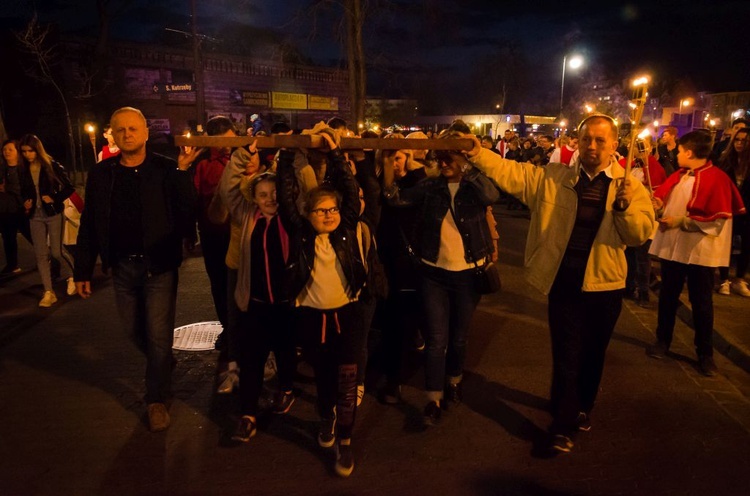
326 274
45 186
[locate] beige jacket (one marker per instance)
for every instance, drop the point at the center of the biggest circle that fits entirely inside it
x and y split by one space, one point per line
549 194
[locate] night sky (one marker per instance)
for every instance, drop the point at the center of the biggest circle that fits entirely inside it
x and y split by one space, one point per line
698 45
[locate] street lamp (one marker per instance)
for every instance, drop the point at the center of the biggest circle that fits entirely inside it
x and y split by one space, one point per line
684 103
91 131
576 61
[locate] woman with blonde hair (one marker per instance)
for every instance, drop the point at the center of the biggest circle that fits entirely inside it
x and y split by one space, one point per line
46 187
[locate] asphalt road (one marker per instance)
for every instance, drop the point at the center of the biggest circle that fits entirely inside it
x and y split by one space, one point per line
72 418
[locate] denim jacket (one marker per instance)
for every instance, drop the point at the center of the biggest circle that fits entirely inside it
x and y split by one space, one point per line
475 193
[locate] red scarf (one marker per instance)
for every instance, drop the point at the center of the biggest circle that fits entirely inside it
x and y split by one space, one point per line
714 194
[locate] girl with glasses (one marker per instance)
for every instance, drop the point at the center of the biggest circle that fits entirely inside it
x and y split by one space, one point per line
326 274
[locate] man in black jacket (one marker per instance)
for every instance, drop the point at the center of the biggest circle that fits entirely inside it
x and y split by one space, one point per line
138 208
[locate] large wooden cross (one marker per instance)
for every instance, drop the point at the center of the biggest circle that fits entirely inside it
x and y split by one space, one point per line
315 141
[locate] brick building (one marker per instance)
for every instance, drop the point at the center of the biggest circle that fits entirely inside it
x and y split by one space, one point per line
160 81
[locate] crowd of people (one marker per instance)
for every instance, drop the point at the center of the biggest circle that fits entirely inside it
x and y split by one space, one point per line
305 248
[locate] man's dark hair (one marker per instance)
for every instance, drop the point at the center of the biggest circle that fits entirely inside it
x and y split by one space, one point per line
741 120
219 125
336 123
280 127
699 142
460 126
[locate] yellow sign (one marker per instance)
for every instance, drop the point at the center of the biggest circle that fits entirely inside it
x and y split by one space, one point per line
323 102
294 101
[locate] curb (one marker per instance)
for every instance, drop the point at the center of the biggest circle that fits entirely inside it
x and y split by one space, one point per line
722 340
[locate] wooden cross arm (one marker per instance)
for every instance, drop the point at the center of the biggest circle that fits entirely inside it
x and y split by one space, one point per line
314 141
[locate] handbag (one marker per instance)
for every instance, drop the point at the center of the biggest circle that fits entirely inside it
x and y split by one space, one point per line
487 278
52 209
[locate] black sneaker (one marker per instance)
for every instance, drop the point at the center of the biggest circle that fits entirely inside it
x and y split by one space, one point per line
327 432
707 366
643 299
432 413
245 430
560 444
344 459
584 422
419 343
282 402
657 350
453 393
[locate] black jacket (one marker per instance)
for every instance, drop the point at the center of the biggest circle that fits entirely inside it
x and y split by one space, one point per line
59 190
302 241
475 192
167 203
10 198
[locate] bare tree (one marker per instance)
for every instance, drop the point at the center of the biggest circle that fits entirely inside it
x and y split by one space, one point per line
34 40
356 56
350 33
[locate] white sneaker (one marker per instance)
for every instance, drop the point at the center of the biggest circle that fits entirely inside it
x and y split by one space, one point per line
48 300
71 287
724 288
740 288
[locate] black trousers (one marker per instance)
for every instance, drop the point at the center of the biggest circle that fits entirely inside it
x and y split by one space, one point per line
263 328
215 244
581 325
700 281
9 224
333 340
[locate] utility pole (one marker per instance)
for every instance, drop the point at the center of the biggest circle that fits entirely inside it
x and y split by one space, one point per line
200 95
198 39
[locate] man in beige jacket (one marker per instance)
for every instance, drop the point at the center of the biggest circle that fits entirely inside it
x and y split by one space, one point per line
582 218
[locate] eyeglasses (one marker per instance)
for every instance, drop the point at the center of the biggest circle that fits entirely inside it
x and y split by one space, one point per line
321 212
741 140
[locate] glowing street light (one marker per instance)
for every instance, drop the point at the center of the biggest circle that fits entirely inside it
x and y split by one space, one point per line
685 103
576 62
91 131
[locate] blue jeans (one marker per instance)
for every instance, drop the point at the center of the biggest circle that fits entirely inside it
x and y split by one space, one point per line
146 304
448 303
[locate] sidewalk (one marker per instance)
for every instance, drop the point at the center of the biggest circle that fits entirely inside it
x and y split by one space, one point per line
72 418
731 326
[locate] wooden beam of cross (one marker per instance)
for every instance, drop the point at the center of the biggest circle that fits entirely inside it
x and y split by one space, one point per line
314 141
